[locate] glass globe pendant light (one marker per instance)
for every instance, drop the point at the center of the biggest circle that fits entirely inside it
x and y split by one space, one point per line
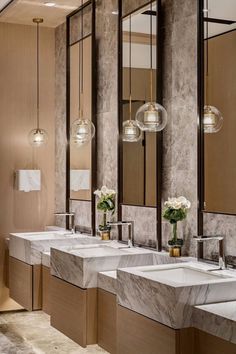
212 117
82 129
152 116
38 137
131 132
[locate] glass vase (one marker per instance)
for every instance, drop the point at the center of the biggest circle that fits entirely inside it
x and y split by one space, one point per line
175 244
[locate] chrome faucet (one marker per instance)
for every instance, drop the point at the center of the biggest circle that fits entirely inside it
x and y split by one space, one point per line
202 239
71 217
130 230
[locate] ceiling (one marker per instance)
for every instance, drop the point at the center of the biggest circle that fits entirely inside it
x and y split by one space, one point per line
223 10
23 11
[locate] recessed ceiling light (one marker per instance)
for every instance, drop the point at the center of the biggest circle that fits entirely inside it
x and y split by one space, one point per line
50 4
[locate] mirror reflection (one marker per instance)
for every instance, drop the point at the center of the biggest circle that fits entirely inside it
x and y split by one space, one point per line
219 114
139 86
80 104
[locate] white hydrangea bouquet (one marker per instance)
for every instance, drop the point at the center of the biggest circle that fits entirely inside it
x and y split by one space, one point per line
176 209
106 203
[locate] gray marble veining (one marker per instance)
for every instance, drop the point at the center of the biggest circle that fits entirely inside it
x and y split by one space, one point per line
217 319
168 302
108 281
81 267
28 247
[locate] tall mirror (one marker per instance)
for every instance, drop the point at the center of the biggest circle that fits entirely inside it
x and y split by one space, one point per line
81 105
218 115
139 173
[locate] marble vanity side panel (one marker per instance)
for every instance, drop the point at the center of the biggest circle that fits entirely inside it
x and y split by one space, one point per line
144 224
214 324
60 122
172 306
107 283
82 210
180 100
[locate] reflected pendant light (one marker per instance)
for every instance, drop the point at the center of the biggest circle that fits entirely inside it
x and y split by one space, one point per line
82 129
38 136
212 117
151 116
131 132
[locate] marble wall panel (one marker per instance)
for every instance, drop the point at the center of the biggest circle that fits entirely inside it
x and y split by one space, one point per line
180 100
60 121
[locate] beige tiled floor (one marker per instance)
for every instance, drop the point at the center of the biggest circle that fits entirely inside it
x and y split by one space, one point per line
31 333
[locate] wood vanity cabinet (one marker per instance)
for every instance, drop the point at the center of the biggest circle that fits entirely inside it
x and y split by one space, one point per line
74 311
46 290
107 331
137 334
206 343
25 284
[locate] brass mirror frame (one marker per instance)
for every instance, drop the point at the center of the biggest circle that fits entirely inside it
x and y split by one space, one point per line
93 109
120 119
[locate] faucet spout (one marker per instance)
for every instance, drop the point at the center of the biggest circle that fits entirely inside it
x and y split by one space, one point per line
130 225
200 242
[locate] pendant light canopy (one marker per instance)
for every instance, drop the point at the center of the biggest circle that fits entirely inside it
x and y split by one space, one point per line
131 132
212 117
152 116
38 137
82 130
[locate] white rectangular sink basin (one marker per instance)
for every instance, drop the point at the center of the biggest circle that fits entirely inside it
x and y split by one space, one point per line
28 247
182 275
80 267
167 293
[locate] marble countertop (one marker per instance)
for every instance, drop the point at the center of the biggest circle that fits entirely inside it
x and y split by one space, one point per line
171 302
108 280
80 267
217 319
28 247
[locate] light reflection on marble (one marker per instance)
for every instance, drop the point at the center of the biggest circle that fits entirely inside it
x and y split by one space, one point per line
217 319
31 333
168 303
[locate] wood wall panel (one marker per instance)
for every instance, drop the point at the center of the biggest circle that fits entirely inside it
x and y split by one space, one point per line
21 211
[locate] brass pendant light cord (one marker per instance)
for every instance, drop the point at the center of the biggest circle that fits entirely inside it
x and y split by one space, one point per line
151 71
38 75
81 53
207 56
130 73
